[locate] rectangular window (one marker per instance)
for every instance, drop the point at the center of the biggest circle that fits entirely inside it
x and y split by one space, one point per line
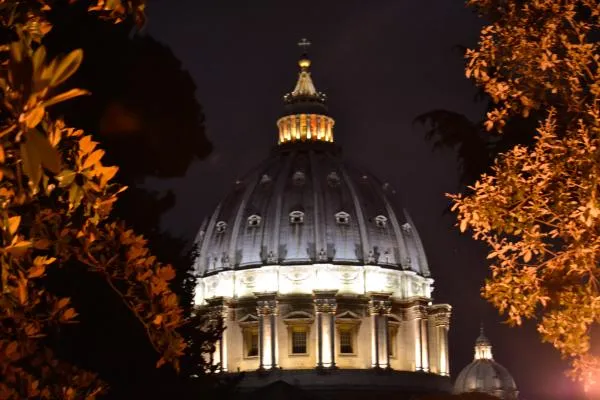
251 342
299 342
346 342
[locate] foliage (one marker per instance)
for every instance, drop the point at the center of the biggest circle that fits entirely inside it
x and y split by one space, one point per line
56 197
538 208
151 112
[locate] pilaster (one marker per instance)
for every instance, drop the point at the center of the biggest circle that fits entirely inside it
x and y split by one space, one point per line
380 307
217 311
325 308
440 315
266 308
418 316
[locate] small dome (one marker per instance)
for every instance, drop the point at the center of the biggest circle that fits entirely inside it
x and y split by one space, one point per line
485 375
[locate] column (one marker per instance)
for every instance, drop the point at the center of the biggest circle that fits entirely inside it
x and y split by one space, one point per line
424 345
325 308
266 307
415 316
418 313
380 307
441 321
217 317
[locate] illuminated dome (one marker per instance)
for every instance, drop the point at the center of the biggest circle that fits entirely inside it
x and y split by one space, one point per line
312 268
305 205
485 375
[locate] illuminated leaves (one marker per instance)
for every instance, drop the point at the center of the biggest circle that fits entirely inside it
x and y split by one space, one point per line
539 208
55 198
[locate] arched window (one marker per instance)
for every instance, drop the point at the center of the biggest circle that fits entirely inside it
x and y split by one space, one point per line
254 221
221 226
296 217
381 221
342 218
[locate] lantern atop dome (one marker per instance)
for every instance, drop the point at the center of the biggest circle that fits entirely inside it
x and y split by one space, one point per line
305 117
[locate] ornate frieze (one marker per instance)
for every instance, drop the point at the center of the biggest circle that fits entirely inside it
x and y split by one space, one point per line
304 279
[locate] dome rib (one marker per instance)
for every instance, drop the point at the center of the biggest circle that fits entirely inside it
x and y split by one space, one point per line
280 184
423 264
319 209
203 265
400 239
241 210
362 228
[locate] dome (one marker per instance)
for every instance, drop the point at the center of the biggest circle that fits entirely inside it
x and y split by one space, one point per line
486 375
306 205
310 267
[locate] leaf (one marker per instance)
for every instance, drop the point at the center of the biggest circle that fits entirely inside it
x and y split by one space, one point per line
65 96
69 314
42 244
93 158
66 67
19 248
2 156
463 225
65 178
107 174
38 59
527 256
11 350
13 224
63 302
36 271
86 144
75 196
33 117
167 273
48 155
22 290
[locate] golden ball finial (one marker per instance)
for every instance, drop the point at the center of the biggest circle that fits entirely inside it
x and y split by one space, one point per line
304 63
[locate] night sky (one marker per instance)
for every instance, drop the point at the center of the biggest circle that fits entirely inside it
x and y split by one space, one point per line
381 63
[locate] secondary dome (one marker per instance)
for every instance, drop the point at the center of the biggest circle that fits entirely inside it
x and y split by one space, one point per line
485 375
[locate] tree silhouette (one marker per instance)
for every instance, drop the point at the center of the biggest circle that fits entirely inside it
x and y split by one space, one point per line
143 109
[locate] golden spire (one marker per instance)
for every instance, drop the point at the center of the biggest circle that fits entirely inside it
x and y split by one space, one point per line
305 85
306 117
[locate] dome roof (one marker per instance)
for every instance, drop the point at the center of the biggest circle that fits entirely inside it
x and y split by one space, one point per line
305 205
486 375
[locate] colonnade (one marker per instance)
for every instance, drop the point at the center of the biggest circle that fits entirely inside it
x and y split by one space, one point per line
429 326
